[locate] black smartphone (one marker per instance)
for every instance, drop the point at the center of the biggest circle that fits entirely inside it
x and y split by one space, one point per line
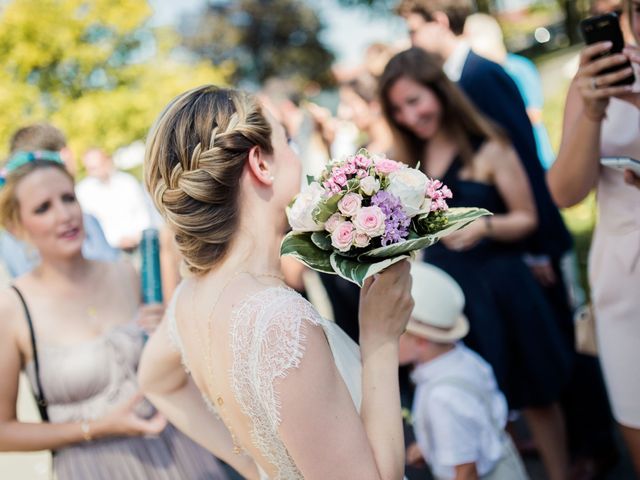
607 28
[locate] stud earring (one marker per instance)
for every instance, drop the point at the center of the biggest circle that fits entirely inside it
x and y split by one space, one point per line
272 178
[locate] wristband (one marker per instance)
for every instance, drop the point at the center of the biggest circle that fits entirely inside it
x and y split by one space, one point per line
488 226
86 431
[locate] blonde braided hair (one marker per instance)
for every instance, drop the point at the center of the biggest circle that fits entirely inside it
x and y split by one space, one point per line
195 155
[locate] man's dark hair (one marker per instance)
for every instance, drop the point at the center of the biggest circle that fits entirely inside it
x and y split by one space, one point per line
456 11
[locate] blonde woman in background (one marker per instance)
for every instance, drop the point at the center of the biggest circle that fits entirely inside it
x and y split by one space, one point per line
70 325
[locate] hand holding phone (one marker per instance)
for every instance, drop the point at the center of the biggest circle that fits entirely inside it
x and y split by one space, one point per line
604 28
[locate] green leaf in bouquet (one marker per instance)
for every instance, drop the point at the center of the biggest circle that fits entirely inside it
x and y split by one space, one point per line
300 246
326 208
457 218
402 248
310 179
356 271
364 152
353 185
322 241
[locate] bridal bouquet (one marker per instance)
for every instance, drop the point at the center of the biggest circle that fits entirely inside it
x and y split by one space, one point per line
367 212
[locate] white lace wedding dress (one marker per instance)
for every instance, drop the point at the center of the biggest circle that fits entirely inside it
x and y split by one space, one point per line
267 341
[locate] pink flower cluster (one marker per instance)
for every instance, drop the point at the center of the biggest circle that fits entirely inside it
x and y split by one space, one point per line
354 165
438 192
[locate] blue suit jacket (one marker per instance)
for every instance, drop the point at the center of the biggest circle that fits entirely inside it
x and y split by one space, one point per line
495 94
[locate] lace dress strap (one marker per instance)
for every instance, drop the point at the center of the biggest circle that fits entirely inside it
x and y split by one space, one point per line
172 327
267 341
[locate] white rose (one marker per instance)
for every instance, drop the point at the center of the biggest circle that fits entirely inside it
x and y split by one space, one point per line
409 185
361 239
300 213
369 185
426 205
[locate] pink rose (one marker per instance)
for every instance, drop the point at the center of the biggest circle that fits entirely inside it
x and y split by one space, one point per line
332 222
342 236
370 220
349 204
385 166
361 240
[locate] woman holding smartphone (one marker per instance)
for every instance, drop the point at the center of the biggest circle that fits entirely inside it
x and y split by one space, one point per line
602 120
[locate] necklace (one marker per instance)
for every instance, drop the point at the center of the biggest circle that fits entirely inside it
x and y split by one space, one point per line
206 347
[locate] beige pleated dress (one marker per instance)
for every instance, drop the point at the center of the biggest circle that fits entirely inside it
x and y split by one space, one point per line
84 382
614 266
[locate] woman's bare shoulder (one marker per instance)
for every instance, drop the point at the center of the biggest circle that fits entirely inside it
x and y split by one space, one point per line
494 154
13 323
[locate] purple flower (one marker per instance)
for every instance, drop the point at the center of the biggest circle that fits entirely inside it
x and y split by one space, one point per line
396 223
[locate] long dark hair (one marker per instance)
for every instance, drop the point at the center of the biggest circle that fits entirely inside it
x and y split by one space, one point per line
460 119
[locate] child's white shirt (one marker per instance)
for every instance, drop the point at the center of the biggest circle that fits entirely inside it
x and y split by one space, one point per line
458 413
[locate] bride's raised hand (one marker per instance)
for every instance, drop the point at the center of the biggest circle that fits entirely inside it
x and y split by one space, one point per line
385 305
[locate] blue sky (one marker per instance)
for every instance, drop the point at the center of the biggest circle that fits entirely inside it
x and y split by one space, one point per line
348 30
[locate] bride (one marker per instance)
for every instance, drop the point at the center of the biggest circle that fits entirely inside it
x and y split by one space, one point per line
292 395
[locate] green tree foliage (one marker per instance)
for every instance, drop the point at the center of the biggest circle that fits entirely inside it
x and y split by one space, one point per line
264 38
94 69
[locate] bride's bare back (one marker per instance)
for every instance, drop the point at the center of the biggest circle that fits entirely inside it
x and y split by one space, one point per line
285 382
258 333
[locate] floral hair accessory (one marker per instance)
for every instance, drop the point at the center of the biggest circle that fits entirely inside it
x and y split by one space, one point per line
20 159
367 212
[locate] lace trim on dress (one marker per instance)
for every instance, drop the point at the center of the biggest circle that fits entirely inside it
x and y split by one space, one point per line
267 340
172 328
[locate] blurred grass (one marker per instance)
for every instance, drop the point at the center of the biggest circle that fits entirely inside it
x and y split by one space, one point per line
580 219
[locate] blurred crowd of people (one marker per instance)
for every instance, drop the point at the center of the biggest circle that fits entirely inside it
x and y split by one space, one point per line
454 103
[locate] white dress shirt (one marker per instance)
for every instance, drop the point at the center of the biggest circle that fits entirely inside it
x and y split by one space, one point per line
118 204
454 65
458 413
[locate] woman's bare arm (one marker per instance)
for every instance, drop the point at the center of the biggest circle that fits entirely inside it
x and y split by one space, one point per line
319 419
15 435
165 383
511 181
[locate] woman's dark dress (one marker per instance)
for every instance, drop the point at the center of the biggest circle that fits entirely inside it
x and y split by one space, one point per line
512 325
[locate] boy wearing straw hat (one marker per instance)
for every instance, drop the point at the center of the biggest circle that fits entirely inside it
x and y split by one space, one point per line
458 412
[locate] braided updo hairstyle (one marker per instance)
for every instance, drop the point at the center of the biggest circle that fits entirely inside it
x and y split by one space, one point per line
195 155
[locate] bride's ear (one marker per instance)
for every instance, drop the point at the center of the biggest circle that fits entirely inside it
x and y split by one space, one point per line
261 165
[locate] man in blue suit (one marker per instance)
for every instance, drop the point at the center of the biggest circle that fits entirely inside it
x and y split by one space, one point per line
437 26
